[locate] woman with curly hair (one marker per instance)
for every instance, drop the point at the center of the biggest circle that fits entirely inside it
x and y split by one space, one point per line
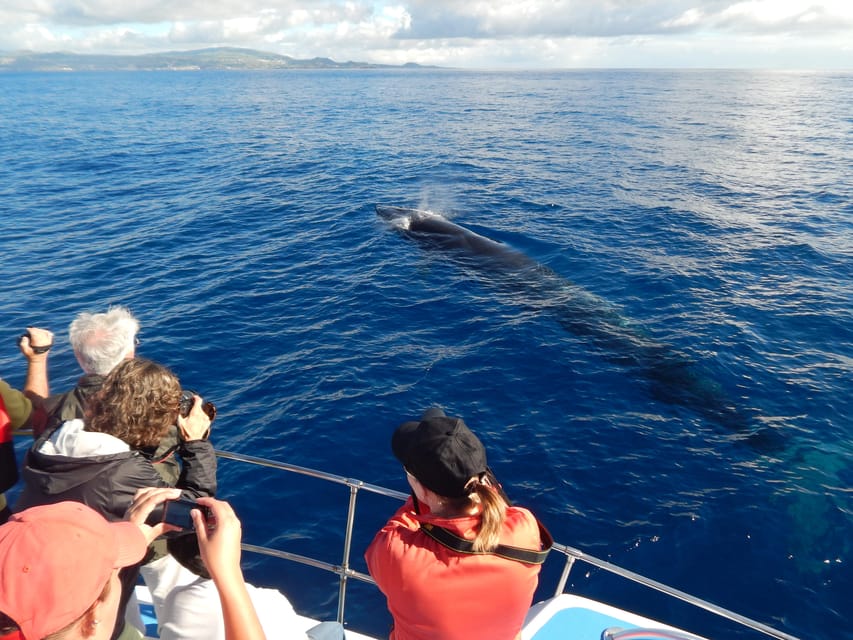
99 460
137 405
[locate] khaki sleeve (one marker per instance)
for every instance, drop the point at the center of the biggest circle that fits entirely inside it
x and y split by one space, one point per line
18 406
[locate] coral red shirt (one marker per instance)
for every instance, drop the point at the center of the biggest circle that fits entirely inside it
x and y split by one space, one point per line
436 593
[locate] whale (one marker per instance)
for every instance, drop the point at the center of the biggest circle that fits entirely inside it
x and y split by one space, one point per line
671 375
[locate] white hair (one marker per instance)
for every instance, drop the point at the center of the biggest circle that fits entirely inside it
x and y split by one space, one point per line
102 340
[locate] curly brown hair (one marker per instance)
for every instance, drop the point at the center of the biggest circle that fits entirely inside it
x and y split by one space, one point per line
138 401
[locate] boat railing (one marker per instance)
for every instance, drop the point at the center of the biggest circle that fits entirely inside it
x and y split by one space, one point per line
345 572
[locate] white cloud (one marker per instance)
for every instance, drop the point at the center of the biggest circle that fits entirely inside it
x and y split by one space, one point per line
690 18
788 16
446 18
481 33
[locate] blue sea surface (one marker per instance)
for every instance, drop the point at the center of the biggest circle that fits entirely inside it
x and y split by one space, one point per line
711 210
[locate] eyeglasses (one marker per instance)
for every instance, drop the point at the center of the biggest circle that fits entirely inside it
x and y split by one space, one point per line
136 341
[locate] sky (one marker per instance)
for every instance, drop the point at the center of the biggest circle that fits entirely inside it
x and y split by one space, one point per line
476 34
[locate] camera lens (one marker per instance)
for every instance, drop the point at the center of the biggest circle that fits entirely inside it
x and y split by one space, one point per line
186 403
187 400
210 409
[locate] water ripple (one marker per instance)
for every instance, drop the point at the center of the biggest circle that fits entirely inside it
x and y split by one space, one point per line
233 213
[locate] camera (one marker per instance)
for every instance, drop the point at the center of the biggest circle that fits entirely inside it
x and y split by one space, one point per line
40 349
177 512
187 401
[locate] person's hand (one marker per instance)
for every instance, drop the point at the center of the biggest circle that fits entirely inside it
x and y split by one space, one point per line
196 426
36 343
143 504
219 543
219 539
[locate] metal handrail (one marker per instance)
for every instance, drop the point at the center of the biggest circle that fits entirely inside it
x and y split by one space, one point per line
344 571
571 554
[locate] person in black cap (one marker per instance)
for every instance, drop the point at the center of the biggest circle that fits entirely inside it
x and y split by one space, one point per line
457 561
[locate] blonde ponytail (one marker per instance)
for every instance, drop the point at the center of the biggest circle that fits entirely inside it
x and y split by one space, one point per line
492 512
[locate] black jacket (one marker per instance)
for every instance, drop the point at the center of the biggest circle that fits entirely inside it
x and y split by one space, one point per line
61 407
107 481
98 470
8 466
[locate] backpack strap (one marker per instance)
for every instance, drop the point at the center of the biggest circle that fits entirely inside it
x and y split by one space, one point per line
526 556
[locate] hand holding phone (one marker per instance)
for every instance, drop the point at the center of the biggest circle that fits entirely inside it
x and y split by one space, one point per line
177 512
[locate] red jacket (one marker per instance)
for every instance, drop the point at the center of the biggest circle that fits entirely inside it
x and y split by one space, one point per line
436 593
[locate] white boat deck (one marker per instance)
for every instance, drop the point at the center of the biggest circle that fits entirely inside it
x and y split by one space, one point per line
300 624
564 617
572 617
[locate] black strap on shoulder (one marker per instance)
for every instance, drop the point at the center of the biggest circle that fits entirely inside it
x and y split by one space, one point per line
158 457
527 556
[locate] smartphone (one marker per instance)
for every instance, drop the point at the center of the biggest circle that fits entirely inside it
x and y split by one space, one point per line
177 512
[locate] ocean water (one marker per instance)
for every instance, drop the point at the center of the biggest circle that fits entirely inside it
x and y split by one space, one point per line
710 211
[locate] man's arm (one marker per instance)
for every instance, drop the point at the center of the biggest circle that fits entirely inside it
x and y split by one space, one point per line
35 345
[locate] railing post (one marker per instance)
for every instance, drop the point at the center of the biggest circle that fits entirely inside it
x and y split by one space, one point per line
342 589
564 577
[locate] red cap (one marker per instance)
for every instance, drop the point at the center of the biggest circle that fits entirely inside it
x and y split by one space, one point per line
55 560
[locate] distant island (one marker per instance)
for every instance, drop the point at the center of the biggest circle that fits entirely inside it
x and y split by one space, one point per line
214 59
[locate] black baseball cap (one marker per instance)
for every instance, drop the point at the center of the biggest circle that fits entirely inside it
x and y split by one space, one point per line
441 452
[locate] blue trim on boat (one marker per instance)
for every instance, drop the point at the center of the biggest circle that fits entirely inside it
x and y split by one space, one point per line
149 619
572 617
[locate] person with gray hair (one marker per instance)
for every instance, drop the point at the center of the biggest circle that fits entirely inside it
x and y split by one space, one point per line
100 341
